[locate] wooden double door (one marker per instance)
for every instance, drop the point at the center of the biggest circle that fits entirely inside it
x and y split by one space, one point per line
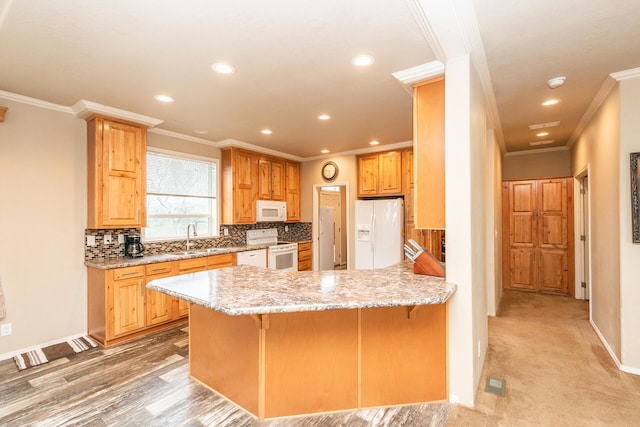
538 235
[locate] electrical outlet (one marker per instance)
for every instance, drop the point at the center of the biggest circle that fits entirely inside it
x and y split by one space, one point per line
121 238
6 329
225 231
286 228
107 239
91 240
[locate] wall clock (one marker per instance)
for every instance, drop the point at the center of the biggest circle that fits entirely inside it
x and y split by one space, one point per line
329 171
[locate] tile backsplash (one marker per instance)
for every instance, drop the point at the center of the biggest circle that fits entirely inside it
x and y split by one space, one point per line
237 236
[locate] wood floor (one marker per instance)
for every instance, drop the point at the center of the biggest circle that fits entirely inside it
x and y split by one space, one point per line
146 383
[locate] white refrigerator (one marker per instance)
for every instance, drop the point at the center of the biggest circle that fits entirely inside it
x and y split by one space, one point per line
379 233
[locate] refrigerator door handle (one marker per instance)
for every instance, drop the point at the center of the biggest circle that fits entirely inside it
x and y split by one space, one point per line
372 237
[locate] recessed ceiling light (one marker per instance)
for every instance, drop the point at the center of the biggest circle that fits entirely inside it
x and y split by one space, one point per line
164 98
556 82
550 102
266 131
362 60
223 68
324 117
542 134
550 141
201 131
374 143
544 125
325 151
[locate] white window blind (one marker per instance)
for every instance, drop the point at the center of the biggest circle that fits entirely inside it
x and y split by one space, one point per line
180 191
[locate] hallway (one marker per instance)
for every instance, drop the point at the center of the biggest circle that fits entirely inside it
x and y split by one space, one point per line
556 369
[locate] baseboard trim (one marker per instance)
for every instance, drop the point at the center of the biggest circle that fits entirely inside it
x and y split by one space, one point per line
46 344
630 369
606 345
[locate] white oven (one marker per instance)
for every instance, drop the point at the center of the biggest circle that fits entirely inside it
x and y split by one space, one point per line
271 211
280 255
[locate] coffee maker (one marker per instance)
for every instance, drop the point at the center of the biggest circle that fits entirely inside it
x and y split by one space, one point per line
133 247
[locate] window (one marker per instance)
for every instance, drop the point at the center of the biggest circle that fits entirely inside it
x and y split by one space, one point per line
180 190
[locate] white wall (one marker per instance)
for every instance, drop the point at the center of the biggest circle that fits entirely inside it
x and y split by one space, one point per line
629 252
545 164
42 222
493 181
466 205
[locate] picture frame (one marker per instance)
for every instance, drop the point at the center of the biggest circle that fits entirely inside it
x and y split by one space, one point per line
635 208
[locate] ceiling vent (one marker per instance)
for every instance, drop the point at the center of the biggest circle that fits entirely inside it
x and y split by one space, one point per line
544 125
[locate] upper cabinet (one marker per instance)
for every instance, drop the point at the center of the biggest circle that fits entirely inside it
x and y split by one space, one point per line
380 174
428 151
239 186
293 190
248 176
116 153
271 179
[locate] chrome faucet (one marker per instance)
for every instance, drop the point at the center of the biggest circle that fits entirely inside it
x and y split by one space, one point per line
195 234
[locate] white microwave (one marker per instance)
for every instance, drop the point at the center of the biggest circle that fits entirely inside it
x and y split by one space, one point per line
271 211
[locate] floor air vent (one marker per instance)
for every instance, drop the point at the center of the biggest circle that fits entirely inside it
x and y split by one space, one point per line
495 386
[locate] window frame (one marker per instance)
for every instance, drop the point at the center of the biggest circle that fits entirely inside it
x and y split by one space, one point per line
187 156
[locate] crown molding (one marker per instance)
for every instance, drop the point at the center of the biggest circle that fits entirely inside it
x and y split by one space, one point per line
84 109
419 73
537 151
376 149
626 74
181 136
597 101
245 145
35 102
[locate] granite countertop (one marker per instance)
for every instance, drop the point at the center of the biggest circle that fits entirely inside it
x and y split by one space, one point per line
245 290
119 262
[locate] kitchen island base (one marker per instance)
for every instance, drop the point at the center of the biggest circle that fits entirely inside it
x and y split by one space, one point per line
283 364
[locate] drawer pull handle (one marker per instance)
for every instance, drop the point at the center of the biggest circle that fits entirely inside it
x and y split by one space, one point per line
129 273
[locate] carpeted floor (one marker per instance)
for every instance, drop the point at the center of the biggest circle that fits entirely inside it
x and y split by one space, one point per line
557 371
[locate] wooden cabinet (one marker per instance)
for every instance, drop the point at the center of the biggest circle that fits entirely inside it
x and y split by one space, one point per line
194 265
538 235
428 149
159 306
126 289
116 154
304 256
271 179
249 176
380 174
239 186
221 261
292 172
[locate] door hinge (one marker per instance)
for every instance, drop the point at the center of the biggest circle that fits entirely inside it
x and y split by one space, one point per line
583 237
583 284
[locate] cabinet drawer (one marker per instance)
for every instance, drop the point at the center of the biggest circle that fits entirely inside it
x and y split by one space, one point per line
192 265
220 261
128 272
159 268
304 265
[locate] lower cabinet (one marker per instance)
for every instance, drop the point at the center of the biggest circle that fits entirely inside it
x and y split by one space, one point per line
304 256
120 307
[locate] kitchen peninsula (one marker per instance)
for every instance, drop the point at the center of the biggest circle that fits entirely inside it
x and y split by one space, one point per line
288 343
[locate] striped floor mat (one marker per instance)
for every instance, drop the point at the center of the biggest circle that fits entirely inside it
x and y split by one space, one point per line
56 351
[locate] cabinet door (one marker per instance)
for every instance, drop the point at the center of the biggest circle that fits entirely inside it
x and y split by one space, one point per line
245 192
158 305
523 269
390 174
552 202
522 233
293 190
277 180
368 175
123 158
553 271
264 179
128 305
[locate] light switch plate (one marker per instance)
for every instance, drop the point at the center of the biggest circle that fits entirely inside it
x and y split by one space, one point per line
121 238
6 329
225 231
107 239
91 240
